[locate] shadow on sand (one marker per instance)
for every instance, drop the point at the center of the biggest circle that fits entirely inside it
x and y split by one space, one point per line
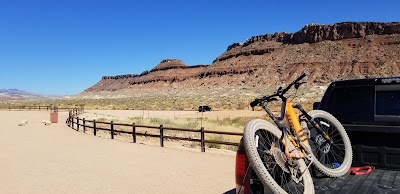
232 191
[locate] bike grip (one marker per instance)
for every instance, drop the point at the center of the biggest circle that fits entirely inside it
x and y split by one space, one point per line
302 76
279 89
254 103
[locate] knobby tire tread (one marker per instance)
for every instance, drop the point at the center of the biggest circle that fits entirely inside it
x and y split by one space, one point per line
345 166
257 164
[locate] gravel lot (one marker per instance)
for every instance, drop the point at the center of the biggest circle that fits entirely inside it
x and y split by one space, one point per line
56 159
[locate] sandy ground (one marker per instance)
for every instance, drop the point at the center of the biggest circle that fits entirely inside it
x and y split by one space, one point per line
56 159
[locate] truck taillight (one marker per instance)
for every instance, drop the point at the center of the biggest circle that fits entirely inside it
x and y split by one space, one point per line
240 171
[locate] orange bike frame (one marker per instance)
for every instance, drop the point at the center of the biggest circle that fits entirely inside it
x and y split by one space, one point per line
295 127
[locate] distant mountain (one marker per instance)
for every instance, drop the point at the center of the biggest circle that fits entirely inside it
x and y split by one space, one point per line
19 94
346 50
256 67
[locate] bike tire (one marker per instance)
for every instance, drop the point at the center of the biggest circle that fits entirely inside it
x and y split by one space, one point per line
268 176
341 142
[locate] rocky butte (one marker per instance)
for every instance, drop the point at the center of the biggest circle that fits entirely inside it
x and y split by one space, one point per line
344 50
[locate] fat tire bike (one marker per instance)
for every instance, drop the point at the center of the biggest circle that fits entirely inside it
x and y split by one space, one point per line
281 155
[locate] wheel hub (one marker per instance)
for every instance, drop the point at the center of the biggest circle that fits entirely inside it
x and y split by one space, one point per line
321 142
280 159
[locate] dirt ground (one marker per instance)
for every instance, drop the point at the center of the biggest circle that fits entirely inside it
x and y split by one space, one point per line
56 159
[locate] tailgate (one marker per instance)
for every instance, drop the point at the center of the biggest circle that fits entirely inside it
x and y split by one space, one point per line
378 181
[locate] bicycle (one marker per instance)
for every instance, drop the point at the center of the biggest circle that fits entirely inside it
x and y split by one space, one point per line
281 155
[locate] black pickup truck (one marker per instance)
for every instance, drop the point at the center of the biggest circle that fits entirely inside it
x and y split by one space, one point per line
369 110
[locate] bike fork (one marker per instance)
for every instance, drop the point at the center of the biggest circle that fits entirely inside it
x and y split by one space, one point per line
313 123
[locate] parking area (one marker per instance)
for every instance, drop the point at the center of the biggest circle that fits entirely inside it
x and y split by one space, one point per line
56 159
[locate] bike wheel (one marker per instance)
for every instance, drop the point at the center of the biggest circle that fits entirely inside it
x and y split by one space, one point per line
271 165
334 159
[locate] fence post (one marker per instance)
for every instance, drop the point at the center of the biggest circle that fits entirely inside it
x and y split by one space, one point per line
94 127
77 123
72 121
203 144
161 136
84 125
9 107
69 119
134 132
112 129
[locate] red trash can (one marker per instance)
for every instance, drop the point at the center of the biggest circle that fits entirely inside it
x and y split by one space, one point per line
54 117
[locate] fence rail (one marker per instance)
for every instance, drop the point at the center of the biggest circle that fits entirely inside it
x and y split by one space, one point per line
30 107
77 123
47 108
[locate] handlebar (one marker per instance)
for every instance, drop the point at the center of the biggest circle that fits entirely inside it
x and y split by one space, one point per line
293 83
301 77
280 92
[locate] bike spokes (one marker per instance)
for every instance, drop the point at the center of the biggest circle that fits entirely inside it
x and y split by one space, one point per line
271 151
331 154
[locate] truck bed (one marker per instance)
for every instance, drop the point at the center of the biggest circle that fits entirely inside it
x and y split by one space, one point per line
378 181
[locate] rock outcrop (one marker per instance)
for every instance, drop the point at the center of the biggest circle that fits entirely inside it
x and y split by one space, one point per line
120 76
169 64
313 33
329 52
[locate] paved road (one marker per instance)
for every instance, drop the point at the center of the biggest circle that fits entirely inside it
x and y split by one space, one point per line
56 159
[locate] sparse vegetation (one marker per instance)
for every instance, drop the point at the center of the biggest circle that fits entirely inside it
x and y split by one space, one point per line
217 98
229 124
215 138
102 119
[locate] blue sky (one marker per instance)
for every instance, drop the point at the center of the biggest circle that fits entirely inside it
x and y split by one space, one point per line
65 46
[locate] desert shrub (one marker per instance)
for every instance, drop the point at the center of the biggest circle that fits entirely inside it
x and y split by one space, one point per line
190 124
241 121
307 106
160 121
136 120
215 138
102 119
241 105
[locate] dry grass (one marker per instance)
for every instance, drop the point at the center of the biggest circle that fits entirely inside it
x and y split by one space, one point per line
227 124
235 98
219 99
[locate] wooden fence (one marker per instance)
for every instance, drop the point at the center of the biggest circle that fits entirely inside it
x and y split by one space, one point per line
47 108
82 124
74 112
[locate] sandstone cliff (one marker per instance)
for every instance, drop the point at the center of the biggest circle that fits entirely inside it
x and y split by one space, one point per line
329 52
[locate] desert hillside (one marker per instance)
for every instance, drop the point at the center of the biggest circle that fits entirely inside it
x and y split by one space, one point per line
345 50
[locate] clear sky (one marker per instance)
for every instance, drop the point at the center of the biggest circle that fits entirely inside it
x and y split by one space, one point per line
65 46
